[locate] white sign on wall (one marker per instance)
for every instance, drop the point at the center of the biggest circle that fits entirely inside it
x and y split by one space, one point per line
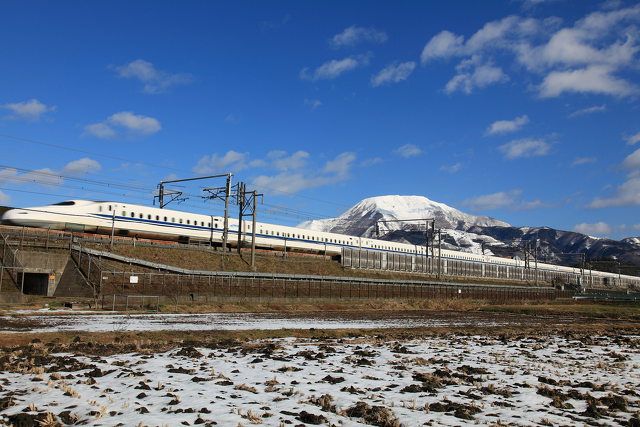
133 279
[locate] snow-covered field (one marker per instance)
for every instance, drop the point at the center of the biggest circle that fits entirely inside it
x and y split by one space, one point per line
450 380
90 322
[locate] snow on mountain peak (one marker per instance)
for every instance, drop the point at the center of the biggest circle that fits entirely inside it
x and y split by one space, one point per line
360 220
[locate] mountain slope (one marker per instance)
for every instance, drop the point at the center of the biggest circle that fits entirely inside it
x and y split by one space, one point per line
361 219
470 233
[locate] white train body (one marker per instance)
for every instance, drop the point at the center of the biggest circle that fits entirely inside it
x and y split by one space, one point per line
141 221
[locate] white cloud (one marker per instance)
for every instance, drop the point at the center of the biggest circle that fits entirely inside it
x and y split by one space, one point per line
472 75
81 167
297 160
330 69
451 168
525 148
334 171
627 194
527 4
4 198
371 162
586 56
445 44
7 174
340 166
393 73
313 103
633 139
632 161
44 176
503 126
593 79
589 110
232 161
527 206
124 123
31 110
155 81
101 130
583 161
503 199
353 35
288 183
408 150
597 229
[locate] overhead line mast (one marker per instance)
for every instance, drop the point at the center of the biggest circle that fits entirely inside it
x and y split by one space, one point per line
215 192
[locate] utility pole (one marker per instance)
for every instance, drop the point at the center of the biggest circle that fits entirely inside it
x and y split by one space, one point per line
439 253
247 203
241 200
113 224
225 227
253 231
535 258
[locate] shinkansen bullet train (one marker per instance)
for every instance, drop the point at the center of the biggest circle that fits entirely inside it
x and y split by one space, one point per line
123 219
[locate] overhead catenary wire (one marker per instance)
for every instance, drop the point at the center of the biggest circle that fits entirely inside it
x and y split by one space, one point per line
128 160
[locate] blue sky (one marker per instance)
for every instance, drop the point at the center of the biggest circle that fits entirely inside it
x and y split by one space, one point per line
524 110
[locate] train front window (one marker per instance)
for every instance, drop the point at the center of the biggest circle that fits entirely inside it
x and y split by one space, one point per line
67 203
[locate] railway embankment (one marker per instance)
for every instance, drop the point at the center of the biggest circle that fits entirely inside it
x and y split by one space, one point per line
95 266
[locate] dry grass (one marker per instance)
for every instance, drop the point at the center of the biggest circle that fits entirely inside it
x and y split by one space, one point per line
147 342
266 262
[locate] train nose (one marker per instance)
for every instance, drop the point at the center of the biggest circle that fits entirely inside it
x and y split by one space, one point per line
13 216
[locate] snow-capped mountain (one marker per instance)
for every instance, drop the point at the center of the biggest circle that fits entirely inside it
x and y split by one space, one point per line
361 219
470 233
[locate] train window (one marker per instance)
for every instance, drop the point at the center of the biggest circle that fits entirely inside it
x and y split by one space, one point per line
124 213
172 219
180 220
148 216
141 215
109 207
208 224
69 203
188 222
202 224
158 218
99 208
133 214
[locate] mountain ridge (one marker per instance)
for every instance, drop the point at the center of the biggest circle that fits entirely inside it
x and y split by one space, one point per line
470 233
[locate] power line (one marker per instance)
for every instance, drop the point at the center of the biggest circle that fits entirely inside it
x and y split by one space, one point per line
93 153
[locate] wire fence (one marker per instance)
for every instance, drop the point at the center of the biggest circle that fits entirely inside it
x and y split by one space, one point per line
208 285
